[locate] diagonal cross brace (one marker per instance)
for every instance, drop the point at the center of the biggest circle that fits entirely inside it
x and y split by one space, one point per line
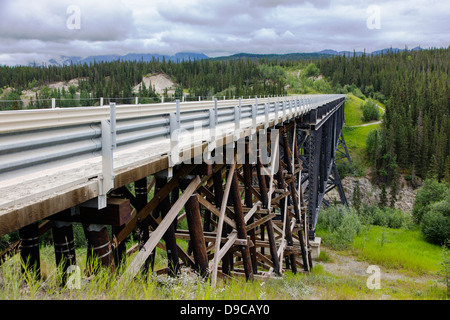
156 236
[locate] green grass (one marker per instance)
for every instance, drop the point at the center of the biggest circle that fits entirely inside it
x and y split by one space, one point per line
355 137
328 286
398 249
353 111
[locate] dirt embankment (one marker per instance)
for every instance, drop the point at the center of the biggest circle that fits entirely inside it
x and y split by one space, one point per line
159 82
370 193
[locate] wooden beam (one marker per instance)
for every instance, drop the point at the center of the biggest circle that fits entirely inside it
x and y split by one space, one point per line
260 221
117 213
215 211
220 223
240 224
135 265
195 225
157 198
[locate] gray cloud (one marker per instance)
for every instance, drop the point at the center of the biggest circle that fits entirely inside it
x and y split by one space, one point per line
47 20
217 27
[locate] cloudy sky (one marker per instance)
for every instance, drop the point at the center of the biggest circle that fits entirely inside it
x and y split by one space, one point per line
43 29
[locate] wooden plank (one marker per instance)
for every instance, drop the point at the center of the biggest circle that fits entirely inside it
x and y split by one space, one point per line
264 259
240 224
150 184
252 188
117 213
210 197
231 239
260 221
157 198
252 211
185 257
220 223
139 260
215 211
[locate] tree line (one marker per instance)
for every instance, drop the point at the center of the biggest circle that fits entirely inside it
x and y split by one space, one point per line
206 78
415 87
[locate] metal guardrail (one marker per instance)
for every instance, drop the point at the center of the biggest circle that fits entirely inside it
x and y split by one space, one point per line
30 138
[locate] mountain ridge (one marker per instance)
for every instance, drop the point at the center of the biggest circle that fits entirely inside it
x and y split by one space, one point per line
181 56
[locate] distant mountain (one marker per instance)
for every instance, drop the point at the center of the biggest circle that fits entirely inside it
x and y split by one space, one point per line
180 56
359 53
286 56
310 55
146 57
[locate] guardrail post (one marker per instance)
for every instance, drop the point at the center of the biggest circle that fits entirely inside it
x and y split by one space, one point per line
174 125
237 122
136 100
106 178
266 115
291 111
101 101
53 103
276 112
254 112
216 112
212 133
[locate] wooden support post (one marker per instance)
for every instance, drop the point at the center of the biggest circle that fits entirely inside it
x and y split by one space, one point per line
169 235
249 203
265 200
120 251
63 240
240 225
99 251
218 195
295 200
287 160
288 233
195 226
29 249
140 188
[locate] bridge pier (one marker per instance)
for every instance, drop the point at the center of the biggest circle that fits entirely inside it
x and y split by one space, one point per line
99 251
29 249
64 244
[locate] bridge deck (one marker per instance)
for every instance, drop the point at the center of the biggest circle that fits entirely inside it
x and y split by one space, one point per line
58 159
38 191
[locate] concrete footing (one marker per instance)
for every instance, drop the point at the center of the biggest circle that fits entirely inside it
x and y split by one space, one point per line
315 247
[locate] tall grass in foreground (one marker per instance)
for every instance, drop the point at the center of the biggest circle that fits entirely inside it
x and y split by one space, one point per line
112 285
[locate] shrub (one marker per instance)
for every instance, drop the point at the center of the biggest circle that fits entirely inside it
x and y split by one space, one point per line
436 222
386 217
370 111
432 191
357 92
342 224
311 70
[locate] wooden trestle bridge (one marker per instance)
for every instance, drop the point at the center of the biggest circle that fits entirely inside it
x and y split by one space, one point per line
250 185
